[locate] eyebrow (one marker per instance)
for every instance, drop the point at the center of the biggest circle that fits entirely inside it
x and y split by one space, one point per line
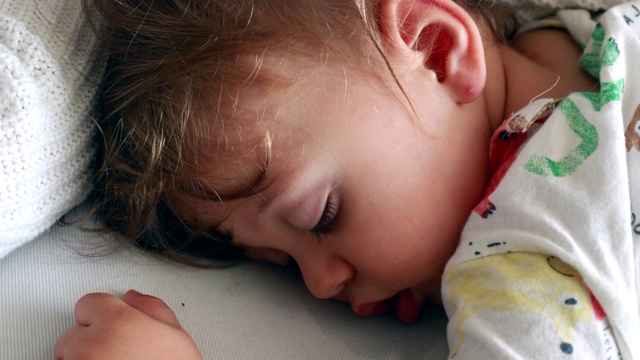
203 190
216 212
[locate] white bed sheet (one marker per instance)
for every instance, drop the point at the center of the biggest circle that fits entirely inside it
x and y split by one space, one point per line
250 311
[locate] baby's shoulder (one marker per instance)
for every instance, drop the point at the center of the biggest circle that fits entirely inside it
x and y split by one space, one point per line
544 45
556 50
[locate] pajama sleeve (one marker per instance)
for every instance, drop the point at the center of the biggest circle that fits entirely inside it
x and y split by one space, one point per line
523 306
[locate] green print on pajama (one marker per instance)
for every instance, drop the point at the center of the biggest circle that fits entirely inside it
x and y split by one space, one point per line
544 166
593 62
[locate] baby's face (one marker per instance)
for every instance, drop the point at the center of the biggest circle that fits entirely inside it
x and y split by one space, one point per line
367 201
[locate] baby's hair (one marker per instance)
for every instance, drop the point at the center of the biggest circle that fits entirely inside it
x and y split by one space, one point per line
174 71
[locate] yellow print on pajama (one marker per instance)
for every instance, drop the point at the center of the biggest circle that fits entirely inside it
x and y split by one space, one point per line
522 283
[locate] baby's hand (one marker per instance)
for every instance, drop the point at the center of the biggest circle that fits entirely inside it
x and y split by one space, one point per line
136 327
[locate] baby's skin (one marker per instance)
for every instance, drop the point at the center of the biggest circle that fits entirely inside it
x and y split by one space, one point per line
136 326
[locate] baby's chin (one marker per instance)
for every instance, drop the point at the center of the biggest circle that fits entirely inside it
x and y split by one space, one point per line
409 304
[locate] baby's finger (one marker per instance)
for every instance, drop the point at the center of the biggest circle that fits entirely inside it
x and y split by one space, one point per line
152 307
92 306
66 342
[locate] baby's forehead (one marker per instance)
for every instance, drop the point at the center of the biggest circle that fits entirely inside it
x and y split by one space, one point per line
242 130
244 123
230 177
227 162
208 200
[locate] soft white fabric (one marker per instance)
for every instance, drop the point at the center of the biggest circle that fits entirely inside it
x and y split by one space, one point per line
251 311
548 262
47 81
528 10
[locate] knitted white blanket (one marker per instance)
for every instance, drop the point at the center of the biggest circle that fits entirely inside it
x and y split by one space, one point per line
47 81
46 76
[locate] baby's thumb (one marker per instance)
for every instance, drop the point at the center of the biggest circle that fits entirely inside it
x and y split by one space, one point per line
152 307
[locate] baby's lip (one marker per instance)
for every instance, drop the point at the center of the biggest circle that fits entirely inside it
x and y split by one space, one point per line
407 308
374 308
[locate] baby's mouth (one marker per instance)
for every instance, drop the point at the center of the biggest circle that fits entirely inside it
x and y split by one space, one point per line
407 308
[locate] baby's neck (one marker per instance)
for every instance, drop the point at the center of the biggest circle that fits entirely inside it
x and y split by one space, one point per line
542 63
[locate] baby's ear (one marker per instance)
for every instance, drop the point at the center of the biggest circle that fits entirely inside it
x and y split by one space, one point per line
440 36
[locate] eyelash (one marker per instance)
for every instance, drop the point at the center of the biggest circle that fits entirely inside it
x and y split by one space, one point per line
324 225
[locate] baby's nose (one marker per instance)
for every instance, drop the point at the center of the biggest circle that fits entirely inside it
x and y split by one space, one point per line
326 278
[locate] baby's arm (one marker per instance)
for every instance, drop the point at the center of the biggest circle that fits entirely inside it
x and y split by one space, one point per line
135 327
523 306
